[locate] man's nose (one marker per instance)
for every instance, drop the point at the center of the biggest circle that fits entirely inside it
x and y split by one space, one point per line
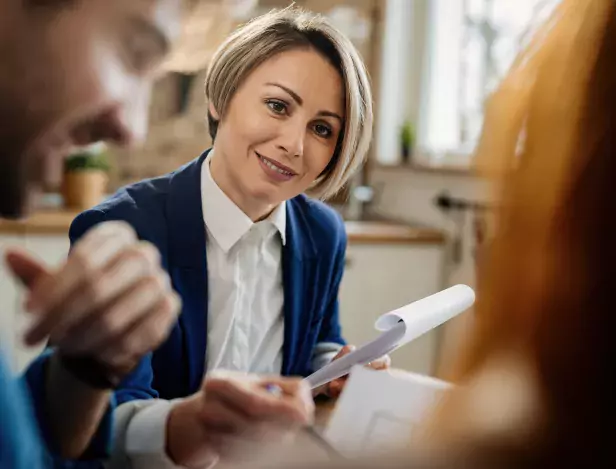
122 124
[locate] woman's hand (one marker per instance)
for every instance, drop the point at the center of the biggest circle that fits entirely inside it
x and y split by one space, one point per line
334 388
233 410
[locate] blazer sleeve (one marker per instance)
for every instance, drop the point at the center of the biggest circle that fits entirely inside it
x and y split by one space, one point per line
329 339
138 385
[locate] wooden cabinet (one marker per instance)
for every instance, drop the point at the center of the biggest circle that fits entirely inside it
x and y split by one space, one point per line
383 277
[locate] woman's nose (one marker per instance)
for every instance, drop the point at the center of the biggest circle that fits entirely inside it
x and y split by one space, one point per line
292 139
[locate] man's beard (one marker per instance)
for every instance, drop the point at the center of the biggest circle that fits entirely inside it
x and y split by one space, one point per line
14 171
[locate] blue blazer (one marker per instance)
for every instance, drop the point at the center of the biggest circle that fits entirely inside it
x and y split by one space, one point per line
167 212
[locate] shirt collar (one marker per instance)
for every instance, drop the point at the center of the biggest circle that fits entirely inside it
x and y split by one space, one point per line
224 220
279 219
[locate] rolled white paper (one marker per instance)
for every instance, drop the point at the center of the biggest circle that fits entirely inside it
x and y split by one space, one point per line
399 327
430 312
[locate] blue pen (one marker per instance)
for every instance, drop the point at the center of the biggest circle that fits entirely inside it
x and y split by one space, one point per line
274 389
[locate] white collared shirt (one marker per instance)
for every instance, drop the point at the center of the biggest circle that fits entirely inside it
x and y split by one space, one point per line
245 293
245 318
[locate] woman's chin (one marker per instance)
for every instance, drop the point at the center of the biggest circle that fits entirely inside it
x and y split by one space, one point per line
267 193
266 197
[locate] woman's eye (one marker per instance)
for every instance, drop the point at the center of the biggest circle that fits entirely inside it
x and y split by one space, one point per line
277 106
322 130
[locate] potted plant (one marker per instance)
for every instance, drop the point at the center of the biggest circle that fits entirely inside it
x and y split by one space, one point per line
85 178
407 141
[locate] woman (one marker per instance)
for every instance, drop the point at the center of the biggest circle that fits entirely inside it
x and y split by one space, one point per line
257 263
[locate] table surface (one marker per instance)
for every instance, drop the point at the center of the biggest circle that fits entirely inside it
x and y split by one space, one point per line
323 411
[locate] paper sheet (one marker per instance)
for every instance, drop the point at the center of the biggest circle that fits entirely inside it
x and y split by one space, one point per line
400 327
378 411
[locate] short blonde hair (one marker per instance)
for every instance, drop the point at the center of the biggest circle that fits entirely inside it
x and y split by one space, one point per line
291 28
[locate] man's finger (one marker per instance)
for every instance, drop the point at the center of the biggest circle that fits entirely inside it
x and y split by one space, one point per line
125 275
47 295
97 248
25 267
132 307
145 334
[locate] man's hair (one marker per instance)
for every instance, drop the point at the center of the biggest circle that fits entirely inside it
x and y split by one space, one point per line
50 3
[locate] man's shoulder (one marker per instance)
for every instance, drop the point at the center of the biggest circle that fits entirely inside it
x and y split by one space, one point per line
20 444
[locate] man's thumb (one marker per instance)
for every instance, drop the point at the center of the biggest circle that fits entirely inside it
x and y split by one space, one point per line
24 266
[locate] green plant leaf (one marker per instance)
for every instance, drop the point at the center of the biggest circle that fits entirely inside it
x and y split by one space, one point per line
87 162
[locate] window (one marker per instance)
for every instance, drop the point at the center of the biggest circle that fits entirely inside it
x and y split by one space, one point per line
493 32
468 46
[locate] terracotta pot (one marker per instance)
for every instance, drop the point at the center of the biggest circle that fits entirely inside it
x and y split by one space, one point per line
84 189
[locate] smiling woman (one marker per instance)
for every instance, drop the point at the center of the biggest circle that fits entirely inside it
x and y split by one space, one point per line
297 92
256 261
279 132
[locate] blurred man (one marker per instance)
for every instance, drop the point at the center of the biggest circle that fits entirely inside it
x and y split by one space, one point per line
76 72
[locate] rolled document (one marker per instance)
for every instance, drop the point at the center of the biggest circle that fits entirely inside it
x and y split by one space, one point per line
399 327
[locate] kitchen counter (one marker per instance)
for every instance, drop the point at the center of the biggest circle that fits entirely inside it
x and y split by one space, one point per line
45 222
57 222
386 232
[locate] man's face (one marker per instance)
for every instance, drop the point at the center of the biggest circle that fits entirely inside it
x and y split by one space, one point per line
74 72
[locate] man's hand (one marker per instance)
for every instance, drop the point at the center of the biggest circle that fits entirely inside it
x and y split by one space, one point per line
334 388
229 411
111 300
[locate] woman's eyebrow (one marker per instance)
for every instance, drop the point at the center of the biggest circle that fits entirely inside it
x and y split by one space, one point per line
298 99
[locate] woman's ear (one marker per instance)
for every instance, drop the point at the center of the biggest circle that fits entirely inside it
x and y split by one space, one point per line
213 112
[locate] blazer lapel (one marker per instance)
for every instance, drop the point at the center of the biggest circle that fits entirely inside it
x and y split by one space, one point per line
298 265
188 265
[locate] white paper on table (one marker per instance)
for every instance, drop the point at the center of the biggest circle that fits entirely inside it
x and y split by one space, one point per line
399 327
378 410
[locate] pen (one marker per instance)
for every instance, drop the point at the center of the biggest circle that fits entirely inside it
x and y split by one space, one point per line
309 430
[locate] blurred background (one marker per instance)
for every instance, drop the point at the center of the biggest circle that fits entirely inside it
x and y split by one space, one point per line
416 215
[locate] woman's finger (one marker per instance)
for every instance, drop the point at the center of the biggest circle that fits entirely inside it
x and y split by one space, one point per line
382 363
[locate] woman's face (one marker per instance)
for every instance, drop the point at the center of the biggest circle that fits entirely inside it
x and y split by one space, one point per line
280 129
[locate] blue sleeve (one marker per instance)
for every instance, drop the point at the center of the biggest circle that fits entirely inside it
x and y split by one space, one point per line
34 378
20 444
331 332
